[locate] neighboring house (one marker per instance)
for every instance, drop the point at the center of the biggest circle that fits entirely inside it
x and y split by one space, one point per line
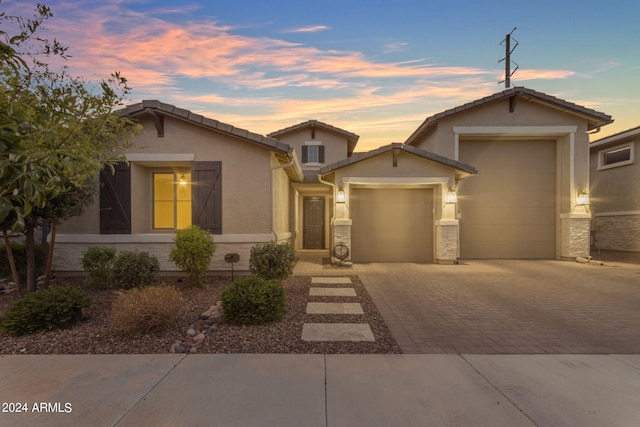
495 178
615 193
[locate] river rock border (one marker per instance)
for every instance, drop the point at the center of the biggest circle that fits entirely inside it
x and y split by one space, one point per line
197 332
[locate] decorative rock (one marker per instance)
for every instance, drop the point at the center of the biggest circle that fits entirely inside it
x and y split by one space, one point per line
191 332
583 259
198 339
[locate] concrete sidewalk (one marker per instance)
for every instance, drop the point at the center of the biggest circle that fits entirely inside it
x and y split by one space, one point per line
320 390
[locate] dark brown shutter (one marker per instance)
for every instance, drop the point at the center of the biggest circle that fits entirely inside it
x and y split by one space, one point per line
115 200
305 154
320 153
206 196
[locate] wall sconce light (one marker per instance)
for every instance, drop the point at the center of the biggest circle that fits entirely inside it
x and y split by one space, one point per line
341 197
182 180
452 196
583 198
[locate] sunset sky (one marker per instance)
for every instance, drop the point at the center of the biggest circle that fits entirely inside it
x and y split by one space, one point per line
376 68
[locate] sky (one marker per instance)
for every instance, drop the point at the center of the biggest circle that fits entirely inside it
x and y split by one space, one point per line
376 68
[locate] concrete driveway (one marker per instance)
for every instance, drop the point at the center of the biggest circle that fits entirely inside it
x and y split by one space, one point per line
508 306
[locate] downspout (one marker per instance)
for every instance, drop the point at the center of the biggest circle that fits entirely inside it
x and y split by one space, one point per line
273 193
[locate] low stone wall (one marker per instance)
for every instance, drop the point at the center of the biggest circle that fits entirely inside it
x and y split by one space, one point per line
617 232
68 254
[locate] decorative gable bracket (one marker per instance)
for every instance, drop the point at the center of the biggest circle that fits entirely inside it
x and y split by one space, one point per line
158 121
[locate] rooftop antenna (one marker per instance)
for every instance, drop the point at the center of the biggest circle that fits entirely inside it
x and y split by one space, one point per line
507 59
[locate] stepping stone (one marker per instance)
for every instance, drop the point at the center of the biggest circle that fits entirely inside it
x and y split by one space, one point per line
334 308
332 292
337 332
330 279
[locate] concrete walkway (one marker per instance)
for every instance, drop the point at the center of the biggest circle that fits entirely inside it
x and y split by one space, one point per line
320 390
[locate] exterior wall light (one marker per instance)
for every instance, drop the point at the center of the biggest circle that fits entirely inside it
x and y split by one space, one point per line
341 197
583 198
452 196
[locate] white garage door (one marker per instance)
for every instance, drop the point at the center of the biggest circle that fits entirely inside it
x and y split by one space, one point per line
391 225
508 208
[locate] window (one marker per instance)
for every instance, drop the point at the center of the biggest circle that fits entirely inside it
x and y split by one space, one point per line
313 152
171 200
616 156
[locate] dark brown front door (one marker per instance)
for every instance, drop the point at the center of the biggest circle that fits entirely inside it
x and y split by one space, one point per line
313 229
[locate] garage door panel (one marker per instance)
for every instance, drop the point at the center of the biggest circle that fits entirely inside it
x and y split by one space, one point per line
392 225
508 209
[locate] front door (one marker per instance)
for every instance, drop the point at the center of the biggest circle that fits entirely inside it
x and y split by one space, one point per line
313 230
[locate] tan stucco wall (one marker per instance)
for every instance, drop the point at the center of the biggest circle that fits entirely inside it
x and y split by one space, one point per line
246 178
336 146
282 199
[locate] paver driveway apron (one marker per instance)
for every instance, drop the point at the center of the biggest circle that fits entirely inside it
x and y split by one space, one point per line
508 306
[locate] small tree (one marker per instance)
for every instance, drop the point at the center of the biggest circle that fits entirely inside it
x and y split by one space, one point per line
192 253
272 261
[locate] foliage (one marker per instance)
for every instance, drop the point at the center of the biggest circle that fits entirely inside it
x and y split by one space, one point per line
50 308
132 269
271 260
253 300
98 261
56 131
140 311
192 253
20 256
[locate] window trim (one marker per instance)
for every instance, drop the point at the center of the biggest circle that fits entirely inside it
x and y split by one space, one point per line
604 152
321 156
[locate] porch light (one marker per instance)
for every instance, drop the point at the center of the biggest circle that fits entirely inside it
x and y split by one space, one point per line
341 197
182 180
583 198
452 196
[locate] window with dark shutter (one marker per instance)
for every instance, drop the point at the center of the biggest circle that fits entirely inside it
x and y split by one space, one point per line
320 153
305 154
206 195
115 200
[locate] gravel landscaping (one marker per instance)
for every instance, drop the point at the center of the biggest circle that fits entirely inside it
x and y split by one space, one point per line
95 335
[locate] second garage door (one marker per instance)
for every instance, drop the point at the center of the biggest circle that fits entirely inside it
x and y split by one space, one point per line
392 225
508 208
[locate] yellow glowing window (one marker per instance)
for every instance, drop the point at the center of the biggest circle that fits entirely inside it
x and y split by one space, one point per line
171 200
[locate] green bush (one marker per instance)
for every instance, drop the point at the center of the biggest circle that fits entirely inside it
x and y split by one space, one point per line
253 301
50 308
192 253
143 310
20 257
132 269
272 261
98 262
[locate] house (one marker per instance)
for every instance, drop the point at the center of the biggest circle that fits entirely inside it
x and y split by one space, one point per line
495 178
615 194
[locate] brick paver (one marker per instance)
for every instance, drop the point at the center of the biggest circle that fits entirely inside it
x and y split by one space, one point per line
508 306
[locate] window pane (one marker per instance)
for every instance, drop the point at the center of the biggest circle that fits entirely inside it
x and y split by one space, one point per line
313 154
184 214
617 156
163 186
163 215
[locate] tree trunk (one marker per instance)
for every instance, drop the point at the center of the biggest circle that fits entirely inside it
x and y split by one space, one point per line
12 261
47 273
30 249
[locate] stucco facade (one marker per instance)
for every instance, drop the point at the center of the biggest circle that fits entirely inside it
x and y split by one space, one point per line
615 194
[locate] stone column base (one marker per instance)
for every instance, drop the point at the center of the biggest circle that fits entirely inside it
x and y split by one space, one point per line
341 234
574 235
447 239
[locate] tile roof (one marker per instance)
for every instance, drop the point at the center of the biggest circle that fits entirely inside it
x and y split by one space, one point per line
352 138
148 106
595 118
358 157
617 137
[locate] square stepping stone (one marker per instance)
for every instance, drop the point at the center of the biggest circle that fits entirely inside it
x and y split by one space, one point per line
334 308
337 332
330 280
332 292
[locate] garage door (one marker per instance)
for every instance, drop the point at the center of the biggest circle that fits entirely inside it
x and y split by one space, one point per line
508 208
391 225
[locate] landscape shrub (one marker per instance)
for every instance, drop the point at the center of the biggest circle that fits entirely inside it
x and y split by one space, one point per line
253 300
20 257
192 253
132 269
272 261
140 311
53 307
98 261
